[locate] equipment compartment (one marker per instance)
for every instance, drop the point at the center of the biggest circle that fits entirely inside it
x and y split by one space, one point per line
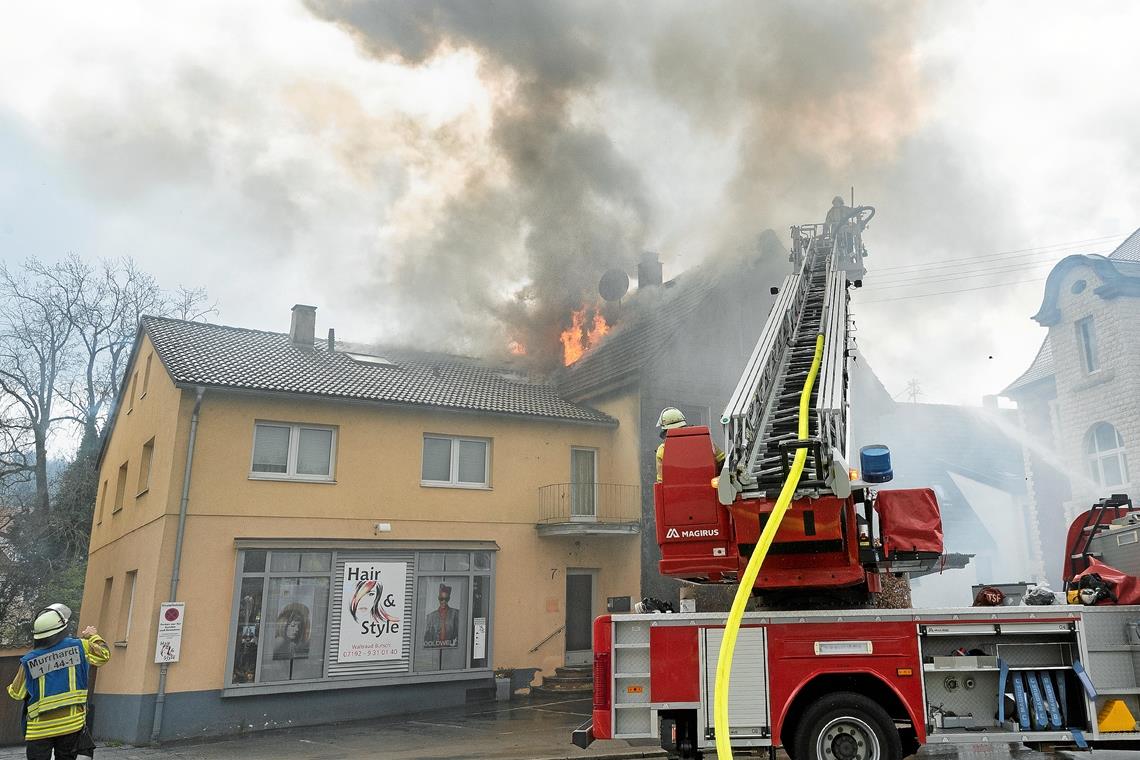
963 670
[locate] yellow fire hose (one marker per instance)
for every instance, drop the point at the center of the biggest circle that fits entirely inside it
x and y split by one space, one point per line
744 590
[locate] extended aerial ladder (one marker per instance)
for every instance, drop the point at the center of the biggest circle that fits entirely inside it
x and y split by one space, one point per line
841 532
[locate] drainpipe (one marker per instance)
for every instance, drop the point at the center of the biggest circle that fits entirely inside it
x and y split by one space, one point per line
160 697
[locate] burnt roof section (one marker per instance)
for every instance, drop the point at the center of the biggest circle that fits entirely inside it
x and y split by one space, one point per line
217 356
654 316
1040 369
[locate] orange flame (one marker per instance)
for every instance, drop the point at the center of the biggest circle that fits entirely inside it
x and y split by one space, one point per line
516 348
582 335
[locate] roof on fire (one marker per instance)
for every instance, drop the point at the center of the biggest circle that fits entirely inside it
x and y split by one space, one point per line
218 356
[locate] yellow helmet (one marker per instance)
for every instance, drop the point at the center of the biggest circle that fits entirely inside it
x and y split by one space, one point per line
670 418
51 621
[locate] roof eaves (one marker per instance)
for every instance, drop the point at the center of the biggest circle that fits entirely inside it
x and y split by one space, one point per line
601 419
1115 277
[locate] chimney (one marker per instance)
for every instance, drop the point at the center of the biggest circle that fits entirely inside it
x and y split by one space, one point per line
303 326
648 270
332 339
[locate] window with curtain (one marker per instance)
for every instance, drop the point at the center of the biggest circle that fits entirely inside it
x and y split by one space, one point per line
583 483
293 451
1106 457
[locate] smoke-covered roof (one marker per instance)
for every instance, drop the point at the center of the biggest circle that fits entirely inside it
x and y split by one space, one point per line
218 356
655 316
1040 369
1119 276
1129 250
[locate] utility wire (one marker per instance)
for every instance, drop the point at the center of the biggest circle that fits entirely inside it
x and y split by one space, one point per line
950 292
1012 253
934 279
1049 256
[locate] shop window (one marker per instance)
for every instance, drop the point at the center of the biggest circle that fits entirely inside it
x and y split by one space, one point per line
282 616
303 615
289 451
1086 340
1104 452
458 462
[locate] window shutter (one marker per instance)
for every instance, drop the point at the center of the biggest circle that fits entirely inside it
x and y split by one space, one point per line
472 462
271 448
437 460
314 452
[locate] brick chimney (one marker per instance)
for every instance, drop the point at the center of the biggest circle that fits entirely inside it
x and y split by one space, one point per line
648 270
303 326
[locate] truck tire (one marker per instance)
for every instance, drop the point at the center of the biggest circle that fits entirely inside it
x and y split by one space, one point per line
847 726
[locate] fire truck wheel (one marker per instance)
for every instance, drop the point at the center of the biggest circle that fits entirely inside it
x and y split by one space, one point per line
847 726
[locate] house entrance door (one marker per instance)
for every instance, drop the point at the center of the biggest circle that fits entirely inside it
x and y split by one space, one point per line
579 617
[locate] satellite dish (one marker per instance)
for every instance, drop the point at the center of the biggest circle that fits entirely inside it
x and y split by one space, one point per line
613 285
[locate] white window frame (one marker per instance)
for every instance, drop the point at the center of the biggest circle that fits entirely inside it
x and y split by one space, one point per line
131 579
291 473
454 471
1086 344
1096 457
594 516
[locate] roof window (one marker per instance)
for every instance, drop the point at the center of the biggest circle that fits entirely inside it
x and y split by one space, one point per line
378 361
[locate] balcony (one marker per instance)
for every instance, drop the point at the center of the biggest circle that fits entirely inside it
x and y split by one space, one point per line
591 509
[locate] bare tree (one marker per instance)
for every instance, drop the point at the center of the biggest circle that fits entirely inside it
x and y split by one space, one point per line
35 337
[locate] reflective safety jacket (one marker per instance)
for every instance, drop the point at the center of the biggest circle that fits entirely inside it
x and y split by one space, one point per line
53 681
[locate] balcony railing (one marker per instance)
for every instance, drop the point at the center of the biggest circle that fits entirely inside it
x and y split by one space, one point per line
588 508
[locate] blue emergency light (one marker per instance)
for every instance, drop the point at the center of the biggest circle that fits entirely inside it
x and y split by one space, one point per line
875 463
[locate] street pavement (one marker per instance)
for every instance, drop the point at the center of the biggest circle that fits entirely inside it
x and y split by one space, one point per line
523 729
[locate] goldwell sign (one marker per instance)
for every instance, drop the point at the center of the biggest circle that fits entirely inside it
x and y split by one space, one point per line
372 611
693 533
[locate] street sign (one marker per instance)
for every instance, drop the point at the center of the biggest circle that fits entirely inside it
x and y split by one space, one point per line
170 616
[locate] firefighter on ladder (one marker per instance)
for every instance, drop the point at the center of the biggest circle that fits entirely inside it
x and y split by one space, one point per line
52 681
671 418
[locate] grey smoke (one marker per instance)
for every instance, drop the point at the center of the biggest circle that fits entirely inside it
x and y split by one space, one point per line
816 97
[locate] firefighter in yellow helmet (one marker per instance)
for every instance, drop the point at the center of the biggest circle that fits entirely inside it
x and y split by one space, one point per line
671 418
52 682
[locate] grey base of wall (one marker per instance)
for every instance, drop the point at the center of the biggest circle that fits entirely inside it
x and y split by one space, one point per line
128 718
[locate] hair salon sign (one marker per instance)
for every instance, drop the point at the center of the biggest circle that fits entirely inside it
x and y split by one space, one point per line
372 611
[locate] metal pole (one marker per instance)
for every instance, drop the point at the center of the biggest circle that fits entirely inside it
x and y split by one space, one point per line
160 697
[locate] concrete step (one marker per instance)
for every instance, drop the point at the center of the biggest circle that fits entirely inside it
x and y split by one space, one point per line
580 671
546 689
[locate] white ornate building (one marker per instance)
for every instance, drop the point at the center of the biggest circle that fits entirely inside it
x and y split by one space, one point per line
1079 400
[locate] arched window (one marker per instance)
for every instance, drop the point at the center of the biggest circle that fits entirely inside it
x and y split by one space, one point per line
1104 451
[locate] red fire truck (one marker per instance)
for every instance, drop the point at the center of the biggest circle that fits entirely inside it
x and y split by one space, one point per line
823 682
871 684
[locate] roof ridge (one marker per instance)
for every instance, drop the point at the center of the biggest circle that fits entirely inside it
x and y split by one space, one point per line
195 323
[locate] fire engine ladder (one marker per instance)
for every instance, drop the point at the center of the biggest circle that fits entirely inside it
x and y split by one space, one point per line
760 419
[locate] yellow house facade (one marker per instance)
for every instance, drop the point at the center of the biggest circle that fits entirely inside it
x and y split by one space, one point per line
352 533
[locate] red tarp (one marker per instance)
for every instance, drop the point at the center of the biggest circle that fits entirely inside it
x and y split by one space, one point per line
909 521
1125 587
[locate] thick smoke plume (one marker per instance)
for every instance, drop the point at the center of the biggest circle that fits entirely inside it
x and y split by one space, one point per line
813 96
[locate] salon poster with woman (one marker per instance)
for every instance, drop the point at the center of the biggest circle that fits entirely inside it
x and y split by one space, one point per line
372 611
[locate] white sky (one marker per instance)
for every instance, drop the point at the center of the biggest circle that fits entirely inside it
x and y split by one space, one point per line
257 152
